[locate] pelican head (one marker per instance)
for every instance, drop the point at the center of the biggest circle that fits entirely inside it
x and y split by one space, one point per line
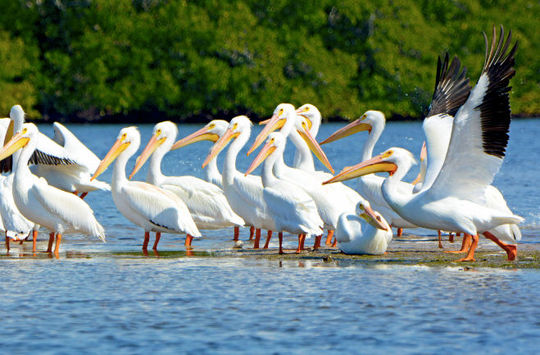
162 139
281 114
20 140
369 121
211 132
237 126
16 116
275 143
312 114
127 143
388 161
364 210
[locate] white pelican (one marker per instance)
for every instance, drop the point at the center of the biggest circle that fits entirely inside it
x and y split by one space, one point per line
455 200
331 202
212 131
206 202
293 210
370 185
244 194
66 163
58 211
438 129
13 224
365 232
148 206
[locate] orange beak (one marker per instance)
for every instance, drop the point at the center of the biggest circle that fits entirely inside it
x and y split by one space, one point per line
265 152
220 145
373 165
150 148
118 147
315 147
201 135
274 123
353 127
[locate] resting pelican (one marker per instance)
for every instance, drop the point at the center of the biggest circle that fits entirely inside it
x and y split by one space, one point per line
455 200
244 194
293 210
148 206
331 202
206 202
370 185
58 211
66 163
365 232
212 131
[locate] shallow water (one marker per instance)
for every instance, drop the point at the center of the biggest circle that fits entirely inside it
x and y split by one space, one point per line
108 297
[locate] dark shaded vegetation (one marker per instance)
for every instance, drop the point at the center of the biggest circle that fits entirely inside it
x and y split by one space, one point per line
147 60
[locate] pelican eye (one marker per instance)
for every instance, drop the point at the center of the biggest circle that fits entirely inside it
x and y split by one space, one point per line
124 136
280 111
158 132
388 153
24 130
364 116
212 125
235 126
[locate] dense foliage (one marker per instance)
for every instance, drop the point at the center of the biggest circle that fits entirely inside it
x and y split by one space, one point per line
87 59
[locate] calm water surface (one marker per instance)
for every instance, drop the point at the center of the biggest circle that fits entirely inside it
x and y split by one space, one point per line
108 297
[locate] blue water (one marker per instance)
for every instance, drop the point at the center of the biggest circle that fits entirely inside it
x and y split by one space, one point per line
110 298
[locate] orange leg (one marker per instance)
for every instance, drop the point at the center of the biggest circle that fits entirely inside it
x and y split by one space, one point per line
465 245
280 237
236 233
510 249
189 239
158 236
301 238
317 243
257 239
329 237
7 244
57 245
268 237
399 232
146 240
334 244
451 237
83 195
251 232
51 240
34 240
440 238
470 254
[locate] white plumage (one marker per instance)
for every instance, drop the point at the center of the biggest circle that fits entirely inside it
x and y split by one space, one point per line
292 209
365 232
456 199
58 211
148 206
206 202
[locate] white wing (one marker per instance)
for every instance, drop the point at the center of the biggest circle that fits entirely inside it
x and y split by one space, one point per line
71 209
206 202
162 208
293 209
480 131
76 150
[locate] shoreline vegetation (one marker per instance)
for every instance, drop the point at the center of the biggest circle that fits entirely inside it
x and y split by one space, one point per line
143 61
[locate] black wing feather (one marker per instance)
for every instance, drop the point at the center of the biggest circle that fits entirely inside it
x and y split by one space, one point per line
451 87
495 106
